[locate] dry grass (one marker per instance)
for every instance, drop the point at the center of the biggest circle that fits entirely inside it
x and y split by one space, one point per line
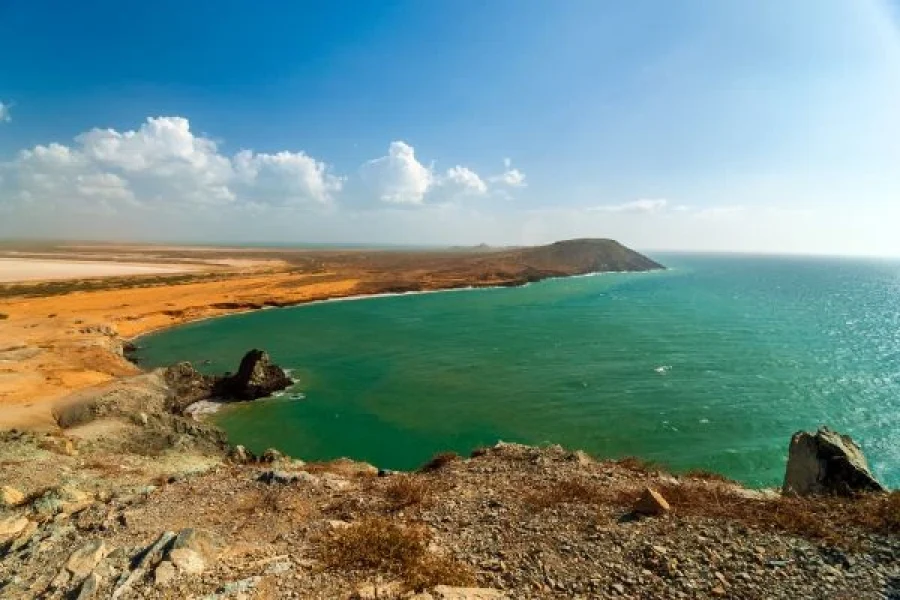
383 545
567 491
705 475
404 491
479 451
273 499
107 468
640 465
831 520
439 461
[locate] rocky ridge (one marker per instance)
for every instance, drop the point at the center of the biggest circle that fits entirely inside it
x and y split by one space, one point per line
510 522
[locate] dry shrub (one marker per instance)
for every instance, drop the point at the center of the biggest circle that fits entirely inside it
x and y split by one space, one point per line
640 465
567 491
439 461
108 468
705 475
270 500
384 545
72 415
479 451
829 519
403 491
340 466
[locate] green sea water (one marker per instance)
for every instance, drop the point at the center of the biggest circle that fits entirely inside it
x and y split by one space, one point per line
712 364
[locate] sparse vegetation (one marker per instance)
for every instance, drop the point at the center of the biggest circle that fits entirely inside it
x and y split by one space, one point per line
403 491
705 475
384 545
479 451
269 500
439 461
71 415
563 492
640 465
826 519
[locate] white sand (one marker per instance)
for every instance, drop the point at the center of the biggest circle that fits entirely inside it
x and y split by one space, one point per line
16 269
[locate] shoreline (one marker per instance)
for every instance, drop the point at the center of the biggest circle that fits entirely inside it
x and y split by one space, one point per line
375 295
66 338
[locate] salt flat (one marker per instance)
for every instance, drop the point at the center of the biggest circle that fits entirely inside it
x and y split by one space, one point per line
30 269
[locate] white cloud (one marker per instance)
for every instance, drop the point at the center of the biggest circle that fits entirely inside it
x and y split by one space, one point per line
285 177
162 163
5 117
644 205
398 178
510 177
464 181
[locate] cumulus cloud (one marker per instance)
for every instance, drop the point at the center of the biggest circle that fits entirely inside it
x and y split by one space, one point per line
464 181
398 177
5 117
284 178
162 163
510 176
644 205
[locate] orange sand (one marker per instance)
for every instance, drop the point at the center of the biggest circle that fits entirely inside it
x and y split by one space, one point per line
52 346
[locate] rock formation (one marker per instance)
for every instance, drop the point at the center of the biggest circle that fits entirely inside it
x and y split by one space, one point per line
257 377
827 462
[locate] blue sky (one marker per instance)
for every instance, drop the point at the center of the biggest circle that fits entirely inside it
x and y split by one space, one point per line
717 125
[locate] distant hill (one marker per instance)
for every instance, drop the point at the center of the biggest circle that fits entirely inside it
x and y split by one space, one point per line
586 255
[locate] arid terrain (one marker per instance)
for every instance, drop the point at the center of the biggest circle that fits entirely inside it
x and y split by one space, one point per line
63 335
109 490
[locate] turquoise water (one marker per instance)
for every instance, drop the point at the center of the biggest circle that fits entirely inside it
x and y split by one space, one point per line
712 364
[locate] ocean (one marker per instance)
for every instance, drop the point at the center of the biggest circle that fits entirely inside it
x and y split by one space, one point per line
712 364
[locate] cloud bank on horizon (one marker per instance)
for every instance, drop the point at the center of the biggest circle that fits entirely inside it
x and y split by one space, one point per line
746 128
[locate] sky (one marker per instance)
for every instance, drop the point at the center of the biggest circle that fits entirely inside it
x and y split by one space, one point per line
763 126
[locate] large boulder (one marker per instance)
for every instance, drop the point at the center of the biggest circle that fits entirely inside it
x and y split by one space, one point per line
257 377
826 462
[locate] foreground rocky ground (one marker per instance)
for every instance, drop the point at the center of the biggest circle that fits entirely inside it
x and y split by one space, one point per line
88 516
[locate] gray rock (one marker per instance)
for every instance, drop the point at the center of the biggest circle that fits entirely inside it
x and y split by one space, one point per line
89 587
827 462
277 477
257 377
205 543
83 561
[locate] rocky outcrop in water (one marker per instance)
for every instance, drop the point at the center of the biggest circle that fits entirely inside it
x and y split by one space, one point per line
827 462
257 377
